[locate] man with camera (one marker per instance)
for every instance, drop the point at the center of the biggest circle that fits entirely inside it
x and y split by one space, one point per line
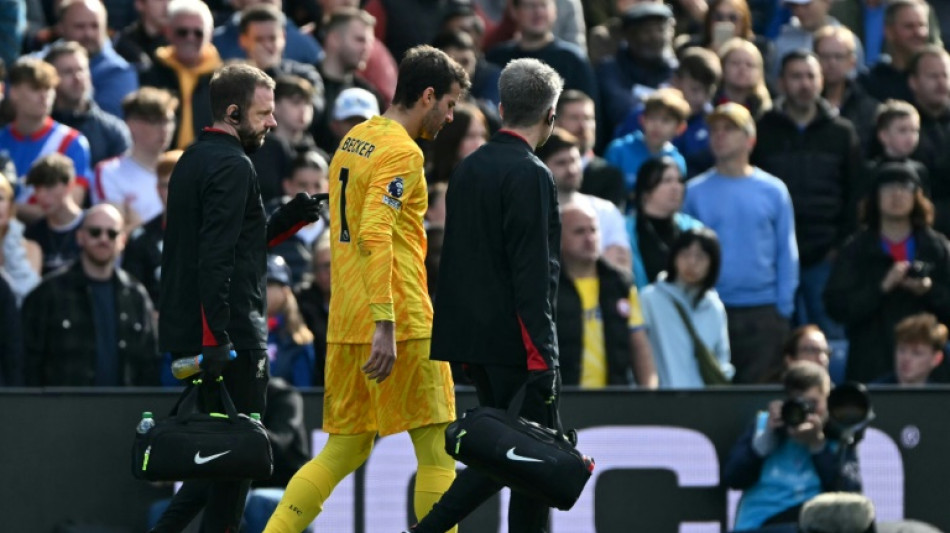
791 454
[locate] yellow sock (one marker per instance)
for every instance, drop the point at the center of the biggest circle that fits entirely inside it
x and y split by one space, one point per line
436 469
314 482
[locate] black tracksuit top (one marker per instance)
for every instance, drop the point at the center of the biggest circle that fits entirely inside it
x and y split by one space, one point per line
215 251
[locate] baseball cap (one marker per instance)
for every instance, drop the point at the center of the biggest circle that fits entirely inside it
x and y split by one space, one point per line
645 11
355 102
277 270
736 114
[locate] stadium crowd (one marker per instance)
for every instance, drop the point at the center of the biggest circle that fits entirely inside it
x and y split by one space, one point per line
744 184
733 170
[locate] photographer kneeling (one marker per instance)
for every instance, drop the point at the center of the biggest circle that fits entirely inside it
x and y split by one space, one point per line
790 455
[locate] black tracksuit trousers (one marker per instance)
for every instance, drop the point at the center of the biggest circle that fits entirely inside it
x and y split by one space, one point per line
495 386
223 501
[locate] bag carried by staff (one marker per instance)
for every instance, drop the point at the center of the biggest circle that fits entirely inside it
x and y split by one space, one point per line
525 456
193 445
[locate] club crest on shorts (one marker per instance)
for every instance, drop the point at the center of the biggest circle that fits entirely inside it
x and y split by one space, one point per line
396 187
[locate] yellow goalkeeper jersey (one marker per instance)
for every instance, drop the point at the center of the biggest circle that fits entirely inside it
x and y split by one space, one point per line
378 198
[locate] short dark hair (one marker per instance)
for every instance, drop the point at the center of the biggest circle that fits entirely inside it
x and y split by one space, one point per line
51 170
309 159
702 65
803 375
709 243
342 16
64 48
150 104
235 84
649 176
922 328
454 39
35 72
572 96
891 110
560 140
290 86
260 13
800 54
422 67
894 6
790 346
926 51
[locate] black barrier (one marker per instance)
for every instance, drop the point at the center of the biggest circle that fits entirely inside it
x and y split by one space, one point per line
64 455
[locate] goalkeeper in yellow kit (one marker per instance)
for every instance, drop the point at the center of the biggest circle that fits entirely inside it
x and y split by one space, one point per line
379 379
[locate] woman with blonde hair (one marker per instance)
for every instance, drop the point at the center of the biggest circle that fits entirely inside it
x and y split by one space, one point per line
20 259
743 77
289 340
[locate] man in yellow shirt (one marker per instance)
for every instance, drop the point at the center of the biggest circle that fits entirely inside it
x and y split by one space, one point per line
379 304
599 323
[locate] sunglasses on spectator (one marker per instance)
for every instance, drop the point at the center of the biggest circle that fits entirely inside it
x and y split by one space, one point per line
182 33
96 232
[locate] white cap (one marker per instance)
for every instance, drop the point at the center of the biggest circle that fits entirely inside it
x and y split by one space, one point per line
355 102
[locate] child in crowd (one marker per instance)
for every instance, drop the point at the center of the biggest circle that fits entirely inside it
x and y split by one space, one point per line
664 117
897 125
921 340
697 77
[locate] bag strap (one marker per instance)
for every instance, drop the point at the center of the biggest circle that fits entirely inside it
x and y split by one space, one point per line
188 400
687 322
514 407
708 366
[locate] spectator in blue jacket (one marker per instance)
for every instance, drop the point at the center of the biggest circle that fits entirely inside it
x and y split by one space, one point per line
780 466
84 21
664 117
289 341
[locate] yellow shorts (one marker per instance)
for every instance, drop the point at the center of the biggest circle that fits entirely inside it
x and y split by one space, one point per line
417 393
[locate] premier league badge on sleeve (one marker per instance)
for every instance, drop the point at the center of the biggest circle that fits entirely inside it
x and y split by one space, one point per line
396 187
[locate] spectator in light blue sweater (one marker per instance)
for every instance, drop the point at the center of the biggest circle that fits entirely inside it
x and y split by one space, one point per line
664 117
751 212
687 287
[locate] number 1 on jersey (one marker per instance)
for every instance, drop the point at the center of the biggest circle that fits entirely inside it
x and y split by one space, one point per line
344 227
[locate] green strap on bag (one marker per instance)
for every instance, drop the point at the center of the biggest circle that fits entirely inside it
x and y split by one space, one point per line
709 367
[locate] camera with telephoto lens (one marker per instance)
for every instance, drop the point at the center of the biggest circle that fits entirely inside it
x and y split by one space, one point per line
796 410
919 269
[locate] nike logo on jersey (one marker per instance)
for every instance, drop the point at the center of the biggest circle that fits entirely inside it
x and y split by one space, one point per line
515 457
199 460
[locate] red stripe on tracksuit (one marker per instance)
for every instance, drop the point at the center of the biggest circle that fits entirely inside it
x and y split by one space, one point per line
207 338
535 361
285 235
